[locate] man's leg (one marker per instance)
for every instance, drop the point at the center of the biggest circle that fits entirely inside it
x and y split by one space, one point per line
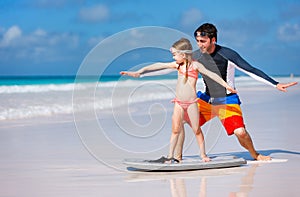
246 141
232 119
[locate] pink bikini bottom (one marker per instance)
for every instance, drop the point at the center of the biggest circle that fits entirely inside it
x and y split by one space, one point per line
185 105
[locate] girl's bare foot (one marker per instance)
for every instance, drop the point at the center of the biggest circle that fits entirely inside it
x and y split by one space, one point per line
171 160
205 159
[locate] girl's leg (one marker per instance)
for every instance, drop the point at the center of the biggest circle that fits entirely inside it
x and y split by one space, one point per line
201 143
179 146
177 124
194 123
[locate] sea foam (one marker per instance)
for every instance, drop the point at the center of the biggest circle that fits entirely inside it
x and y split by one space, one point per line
46 100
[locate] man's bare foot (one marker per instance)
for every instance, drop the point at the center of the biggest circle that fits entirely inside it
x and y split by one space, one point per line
263 158
205 159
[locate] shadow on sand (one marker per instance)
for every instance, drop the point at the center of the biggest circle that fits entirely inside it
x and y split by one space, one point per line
270 152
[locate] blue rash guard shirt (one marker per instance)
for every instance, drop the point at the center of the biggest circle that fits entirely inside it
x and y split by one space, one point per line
223 62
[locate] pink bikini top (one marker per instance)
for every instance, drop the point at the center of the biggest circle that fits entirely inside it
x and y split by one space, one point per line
191 72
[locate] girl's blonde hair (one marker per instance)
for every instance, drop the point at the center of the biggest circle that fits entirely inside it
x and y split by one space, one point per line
184 46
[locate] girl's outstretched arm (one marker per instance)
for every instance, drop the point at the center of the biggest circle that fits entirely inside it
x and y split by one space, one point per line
213 76
156 67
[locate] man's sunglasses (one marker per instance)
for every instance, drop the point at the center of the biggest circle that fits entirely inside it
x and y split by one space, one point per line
202 33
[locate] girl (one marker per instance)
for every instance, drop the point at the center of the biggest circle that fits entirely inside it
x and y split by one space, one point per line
185 108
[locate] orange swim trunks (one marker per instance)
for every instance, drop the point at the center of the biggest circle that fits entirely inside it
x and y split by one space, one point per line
227 109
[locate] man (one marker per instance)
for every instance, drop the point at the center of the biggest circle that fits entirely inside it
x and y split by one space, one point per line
216 101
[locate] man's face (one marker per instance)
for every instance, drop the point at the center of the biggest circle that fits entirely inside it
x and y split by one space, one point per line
206 44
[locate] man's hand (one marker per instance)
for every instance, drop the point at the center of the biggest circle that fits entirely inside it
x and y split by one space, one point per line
283 86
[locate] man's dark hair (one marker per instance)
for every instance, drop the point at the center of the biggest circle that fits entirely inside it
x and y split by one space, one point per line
206 29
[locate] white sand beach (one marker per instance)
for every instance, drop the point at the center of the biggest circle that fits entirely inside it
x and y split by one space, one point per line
64 156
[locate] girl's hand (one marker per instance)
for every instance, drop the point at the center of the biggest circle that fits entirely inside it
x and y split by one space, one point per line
232 90
131 74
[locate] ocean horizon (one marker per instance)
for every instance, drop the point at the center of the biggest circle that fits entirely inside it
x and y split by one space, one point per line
62 79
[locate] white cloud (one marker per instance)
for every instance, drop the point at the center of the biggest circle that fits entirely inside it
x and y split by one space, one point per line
136 33
289 32
40 32
191 17
96 13
38 45
93 41
10 36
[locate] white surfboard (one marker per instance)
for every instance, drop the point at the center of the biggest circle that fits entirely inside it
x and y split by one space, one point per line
273 160
188 163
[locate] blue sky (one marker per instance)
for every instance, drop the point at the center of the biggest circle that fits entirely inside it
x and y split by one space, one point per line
52 37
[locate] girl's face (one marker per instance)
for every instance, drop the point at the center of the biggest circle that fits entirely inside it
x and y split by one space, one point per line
177 56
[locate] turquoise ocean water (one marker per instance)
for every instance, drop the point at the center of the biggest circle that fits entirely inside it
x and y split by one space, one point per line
35 96
39 80
30 97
